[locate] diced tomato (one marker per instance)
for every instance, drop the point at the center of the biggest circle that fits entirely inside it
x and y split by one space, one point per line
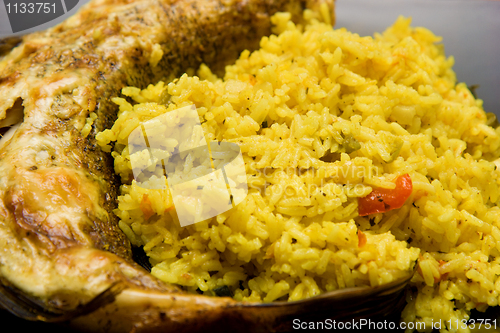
381 200
361 239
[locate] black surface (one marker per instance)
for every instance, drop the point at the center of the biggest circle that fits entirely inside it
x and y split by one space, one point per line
20 325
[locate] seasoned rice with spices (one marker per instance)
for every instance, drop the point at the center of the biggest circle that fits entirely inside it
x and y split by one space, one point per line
324 117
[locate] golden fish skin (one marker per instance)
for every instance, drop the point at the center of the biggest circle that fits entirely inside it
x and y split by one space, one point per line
62 254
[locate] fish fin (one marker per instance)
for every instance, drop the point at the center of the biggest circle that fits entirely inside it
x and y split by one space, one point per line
30 308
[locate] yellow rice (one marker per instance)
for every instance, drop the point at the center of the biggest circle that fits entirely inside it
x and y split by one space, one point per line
322 116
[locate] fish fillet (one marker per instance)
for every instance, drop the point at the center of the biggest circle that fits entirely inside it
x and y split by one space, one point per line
63 258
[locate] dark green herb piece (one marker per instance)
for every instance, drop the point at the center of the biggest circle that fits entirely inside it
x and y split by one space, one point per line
397 145
350 144
223 291
473 89
491 119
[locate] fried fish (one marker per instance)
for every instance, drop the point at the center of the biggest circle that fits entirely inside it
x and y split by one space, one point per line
63 257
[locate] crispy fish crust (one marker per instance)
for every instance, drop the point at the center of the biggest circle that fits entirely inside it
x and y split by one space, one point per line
62 253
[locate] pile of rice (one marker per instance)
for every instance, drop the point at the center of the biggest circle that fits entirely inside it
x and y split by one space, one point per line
323 116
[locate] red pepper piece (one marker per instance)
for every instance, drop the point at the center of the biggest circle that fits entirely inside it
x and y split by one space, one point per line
381 200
